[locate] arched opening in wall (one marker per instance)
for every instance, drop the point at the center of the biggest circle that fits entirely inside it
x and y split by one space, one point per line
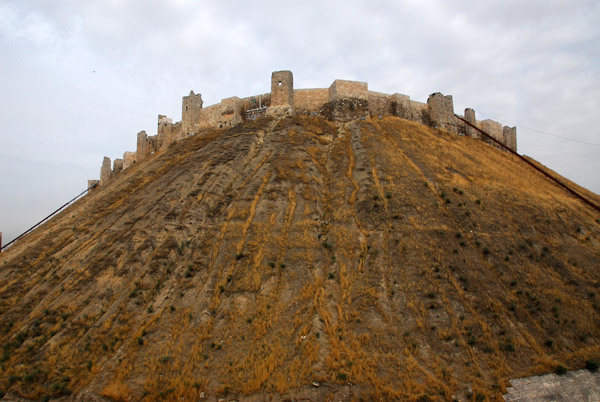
279 83
186 108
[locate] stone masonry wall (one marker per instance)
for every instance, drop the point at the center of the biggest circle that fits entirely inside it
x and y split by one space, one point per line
509 137
142 146
282 88
117 166
191 107
228 113
128 159
491 127
346 109
206 118
342 89
343 101
308 101
408 109
231 112
105 171
470 117
168 133
506 135
380 104
581 385
441 112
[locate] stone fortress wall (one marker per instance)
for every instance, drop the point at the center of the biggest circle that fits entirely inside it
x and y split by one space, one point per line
342 101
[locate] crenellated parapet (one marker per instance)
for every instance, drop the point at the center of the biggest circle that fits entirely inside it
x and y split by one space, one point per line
343 101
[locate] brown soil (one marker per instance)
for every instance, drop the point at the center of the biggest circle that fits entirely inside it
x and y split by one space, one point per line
302 260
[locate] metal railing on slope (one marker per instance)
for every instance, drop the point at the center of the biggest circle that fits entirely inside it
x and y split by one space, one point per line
549 176
46 218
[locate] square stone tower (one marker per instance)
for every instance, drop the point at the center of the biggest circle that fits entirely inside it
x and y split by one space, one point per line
191 107
509 137
470 117
441 112
105 171
282 88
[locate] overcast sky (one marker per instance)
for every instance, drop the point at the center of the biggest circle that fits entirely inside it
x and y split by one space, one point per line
79 79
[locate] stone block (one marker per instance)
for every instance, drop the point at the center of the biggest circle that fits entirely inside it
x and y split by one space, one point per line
493 129
162 119
128 159
231 111
282 88
310 100
441 112
191 108
117 166
403 106
342 89
470 117
509 137
581 385
167 133
142 146
105 171
346 109
380 104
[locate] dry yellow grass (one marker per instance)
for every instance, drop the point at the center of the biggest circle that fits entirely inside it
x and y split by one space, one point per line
380 259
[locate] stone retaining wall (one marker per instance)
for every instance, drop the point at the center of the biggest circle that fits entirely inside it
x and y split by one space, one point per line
581 386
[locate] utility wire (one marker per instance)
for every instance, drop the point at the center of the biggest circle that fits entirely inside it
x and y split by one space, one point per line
539 131
548 175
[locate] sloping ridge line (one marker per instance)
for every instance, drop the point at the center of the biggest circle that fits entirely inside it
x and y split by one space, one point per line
549 176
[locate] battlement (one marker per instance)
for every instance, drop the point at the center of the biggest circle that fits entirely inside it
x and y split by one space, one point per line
343 101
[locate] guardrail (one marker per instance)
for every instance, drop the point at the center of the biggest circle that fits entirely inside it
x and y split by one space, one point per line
45 219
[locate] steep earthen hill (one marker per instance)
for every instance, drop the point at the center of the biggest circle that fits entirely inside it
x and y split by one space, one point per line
295 259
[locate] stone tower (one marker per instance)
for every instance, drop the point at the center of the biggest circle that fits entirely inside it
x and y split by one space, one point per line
470 117
190 112
105 171
509 137
441 112
142 146
282 88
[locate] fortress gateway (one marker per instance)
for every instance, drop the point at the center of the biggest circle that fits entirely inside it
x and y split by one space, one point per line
341 102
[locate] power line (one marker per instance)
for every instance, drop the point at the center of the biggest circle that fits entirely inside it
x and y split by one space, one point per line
539 131
548 175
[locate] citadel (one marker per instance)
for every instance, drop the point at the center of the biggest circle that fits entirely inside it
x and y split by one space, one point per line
343 101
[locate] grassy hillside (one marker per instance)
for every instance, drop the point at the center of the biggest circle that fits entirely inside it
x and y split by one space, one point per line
380 259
